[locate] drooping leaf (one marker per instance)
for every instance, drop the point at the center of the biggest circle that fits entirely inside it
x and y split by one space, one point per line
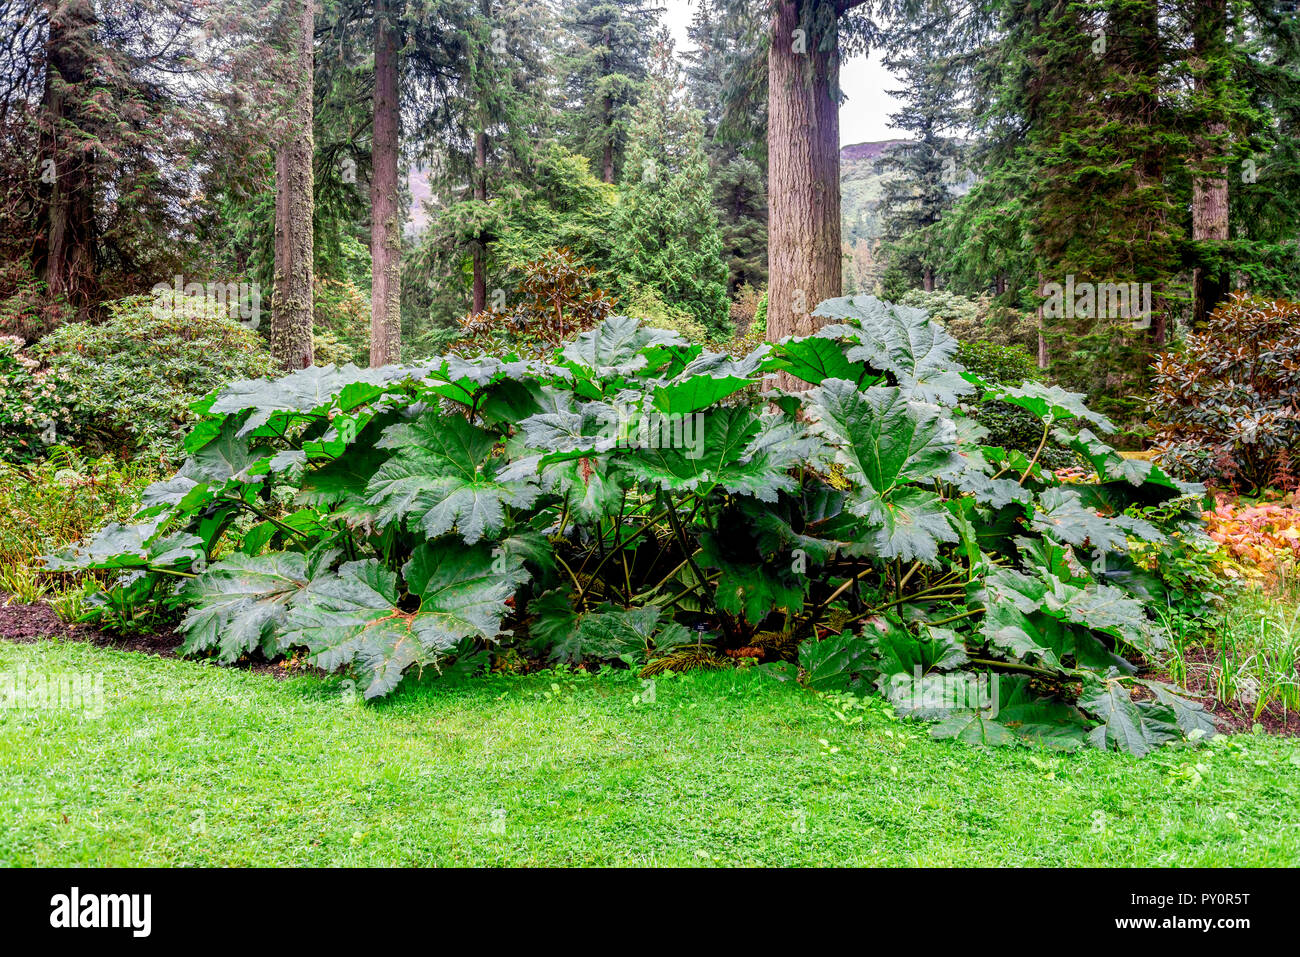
443 476
239 604
358 617
1125 727
837 662
1044 400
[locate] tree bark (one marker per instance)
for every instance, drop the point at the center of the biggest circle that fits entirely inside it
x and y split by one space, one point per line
803 178
1042 336
1210 171
607 157
385 226
292 313
66 258
480 247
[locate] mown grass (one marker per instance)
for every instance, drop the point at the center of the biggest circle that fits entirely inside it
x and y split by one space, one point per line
191 764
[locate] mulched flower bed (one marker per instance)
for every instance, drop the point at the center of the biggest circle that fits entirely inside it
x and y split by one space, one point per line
28 623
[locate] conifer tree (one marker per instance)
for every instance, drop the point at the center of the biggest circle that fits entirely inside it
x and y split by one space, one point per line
665 227
603 65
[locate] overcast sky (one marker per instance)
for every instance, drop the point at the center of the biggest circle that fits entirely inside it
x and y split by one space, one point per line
864 117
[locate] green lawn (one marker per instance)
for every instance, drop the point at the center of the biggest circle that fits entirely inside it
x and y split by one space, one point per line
194 764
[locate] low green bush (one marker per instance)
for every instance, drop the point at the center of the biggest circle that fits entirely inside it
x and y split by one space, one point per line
634 500
37 407
133 376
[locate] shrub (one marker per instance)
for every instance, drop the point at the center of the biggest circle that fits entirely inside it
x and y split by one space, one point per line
134 376
556 299
36 407
647 304
52 503
1225 405
636 495
342 323
970 319
1009 426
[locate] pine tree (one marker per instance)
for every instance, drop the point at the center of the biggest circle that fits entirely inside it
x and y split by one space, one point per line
926 169
734 113
494 114
604 58
665 226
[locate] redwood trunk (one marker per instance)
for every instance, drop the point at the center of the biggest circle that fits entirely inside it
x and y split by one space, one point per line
1210 176
480 246
291 318
67 258
385 226
803 180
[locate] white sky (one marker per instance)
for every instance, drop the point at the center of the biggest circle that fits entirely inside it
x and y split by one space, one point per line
864 117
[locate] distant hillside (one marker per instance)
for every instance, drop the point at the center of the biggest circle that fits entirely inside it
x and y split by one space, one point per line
861 187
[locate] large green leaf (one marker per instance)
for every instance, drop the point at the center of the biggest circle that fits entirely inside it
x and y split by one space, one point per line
240 604
709 378
837 663
1126 725
909 525
815 359
900 340
443 476
308 390
1062 513
1044 400
729 447
883 438
358 616
619 346
119 547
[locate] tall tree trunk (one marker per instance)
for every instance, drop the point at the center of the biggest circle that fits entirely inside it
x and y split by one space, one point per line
66 258
803 178
607 159
1042 333
479 250
291 317
1210 171
385 227
927 279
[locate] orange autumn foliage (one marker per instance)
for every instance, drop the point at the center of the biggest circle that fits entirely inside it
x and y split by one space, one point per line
1262 538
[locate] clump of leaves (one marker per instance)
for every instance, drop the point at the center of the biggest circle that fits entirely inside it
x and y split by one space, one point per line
1261 538
632 498
133 376
557 299
1225 404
